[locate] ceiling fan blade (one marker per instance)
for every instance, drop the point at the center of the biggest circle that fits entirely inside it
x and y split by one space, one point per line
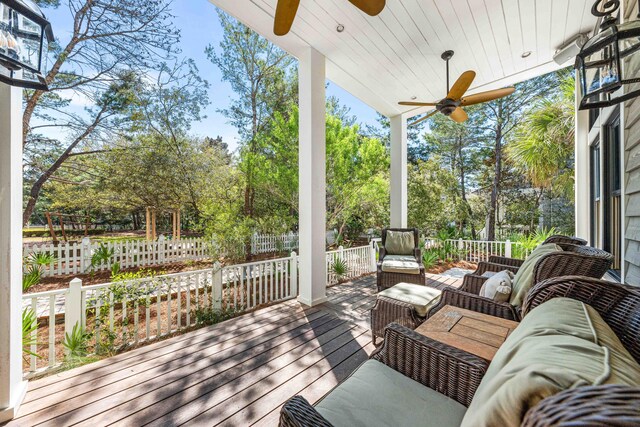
418 104
459 115
370 7
423 119
285 14
462 85
479 98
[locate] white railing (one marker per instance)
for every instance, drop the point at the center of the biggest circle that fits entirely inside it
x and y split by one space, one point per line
476 250
356 262
75 257
142 310
133 312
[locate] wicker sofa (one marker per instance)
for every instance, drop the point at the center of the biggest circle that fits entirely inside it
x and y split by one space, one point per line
573 260
451 379
386 279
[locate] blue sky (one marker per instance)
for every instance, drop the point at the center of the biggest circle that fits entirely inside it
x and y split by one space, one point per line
199 26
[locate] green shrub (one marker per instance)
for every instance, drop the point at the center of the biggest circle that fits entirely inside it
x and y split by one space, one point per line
103 254
211 316
339 268
31 277
77 343
527 243
34 264
29 326
430 259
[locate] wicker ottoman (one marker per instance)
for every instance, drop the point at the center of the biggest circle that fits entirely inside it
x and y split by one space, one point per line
404 303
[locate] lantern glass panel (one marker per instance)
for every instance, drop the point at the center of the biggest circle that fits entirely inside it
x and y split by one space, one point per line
29 42
601 73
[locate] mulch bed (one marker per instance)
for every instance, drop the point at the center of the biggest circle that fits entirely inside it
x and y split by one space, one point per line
441 267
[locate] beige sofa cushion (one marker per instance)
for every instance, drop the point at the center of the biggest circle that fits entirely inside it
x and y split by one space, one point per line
403 267
376 395
423 298
399 243
524 278
561 344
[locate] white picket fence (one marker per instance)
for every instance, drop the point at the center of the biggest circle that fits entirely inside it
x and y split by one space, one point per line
477 250
75 257
144 310
266 243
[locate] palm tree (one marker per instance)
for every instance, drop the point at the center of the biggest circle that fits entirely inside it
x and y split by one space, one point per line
544 146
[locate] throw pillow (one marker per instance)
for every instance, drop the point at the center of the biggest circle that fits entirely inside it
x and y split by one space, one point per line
399 243
498 286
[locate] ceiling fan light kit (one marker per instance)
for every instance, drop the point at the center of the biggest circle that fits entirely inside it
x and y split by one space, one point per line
608 65
451 105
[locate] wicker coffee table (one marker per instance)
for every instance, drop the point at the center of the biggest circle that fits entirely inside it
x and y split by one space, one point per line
473 332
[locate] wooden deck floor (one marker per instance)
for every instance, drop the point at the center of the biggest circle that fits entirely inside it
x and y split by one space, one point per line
236 373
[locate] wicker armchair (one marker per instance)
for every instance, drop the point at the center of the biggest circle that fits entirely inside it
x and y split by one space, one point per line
457 374
386 279
573 260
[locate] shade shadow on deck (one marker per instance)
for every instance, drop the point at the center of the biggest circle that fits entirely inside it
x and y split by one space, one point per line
238 372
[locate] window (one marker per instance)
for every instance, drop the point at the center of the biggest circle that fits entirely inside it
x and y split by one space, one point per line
594 113
595 194
612 197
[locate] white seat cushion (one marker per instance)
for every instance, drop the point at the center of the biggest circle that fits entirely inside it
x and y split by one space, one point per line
403 267
423 298
406 258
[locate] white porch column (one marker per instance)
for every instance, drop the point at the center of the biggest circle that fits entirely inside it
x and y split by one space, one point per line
12 387
312 178
582 174
399 171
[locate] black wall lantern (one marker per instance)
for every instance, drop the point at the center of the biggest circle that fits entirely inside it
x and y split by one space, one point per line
23 29
608 66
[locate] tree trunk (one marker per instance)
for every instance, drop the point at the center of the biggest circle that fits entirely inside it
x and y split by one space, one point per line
463 191
495 187
34 193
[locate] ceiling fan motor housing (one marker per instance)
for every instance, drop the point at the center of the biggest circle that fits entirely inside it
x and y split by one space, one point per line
447 106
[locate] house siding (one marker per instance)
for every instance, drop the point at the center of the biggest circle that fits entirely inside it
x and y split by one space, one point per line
632 179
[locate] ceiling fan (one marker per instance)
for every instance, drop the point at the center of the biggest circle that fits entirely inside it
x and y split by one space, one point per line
451 106
287 9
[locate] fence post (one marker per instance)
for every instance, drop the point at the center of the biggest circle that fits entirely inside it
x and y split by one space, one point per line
85 254
507 249
161 247
294 274
341 253
217 286
372 250
460 248
73 306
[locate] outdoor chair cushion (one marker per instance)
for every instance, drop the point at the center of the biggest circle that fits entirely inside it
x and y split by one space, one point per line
423 298
560 345
405 258
403 267
524 277
376 395
399 243
498 286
